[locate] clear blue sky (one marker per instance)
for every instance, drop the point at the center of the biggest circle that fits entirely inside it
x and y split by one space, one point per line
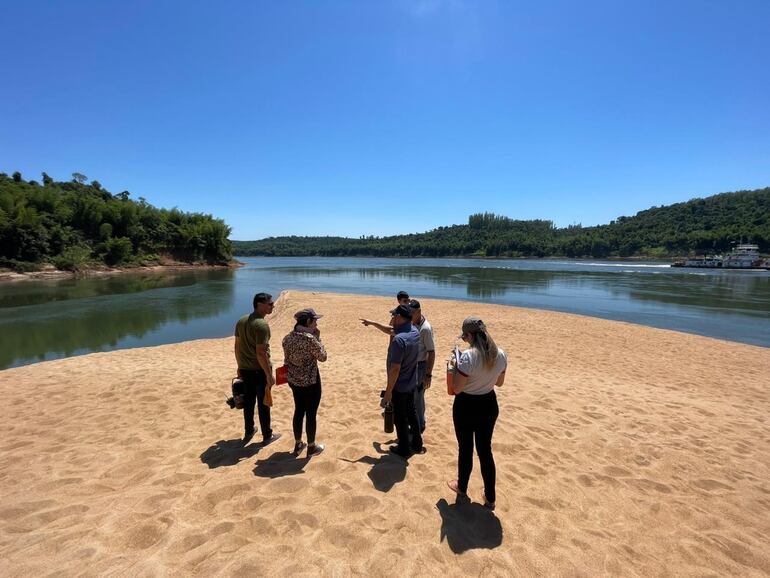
376 117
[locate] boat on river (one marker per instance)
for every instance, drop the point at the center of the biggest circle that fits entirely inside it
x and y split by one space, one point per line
743 256
705 262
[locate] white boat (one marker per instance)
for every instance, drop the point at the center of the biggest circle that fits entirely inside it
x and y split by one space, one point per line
705 262
743 257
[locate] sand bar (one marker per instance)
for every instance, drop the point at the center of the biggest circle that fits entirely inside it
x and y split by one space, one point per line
621 451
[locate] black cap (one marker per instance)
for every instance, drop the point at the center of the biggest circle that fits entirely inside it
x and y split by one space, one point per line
403 311
414 304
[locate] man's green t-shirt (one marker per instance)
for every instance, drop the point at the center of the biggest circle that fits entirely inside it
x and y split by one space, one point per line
251 330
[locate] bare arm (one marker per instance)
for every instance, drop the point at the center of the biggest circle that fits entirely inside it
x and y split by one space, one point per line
384 328
429 362
264 363
235 351
500 380
393 371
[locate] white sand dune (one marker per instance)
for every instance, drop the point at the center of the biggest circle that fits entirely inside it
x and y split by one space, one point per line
621 451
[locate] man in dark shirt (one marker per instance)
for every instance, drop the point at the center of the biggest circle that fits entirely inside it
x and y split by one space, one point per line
252 354
402 381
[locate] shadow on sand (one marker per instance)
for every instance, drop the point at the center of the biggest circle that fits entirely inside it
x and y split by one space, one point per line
467 525
280 464
228 453
387 470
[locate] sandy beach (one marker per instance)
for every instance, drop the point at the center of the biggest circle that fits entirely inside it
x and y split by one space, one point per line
621 450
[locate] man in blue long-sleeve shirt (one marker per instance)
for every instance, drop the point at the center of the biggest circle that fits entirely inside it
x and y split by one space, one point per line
403 354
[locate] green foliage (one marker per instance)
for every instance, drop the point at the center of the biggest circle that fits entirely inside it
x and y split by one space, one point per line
73 258
72 223
697 226
117 251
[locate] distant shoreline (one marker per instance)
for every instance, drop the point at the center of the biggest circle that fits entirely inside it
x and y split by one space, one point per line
53 274
479 257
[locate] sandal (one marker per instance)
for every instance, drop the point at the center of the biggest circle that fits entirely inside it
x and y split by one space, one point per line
455 487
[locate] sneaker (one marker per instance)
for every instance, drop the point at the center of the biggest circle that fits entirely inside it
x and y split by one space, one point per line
315 449
421 451
271 439
298 447
455 487
487 504
395 451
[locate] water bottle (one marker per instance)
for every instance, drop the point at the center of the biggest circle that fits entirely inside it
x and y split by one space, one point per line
387 416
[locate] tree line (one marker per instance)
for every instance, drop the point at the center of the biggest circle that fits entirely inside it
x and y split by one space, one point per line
78 225
705 225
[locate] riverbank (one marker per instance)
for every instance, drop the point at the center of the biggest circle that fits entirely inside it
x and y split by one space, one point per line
621 451
49 272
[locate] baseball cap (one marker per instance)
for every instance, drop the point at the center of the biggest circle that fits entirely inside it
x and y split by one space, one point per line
473 325
304 314
403 311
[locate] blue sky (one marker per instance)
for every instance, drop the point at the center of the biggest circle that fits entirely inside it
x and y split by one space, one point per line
381 117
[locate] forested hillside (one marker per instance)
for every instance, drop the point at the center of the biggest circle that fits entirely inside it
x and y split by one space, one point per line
711 224
77 225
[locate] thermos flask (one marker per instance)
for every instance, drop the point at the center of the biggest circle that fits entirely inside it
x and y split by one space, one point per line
387 416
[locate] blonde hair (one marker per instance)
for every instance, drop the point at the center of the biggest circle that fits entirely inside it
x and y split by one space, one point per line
486 346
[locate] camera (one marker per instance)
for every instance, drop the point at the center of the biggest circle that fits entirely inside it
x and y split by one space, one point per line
238 399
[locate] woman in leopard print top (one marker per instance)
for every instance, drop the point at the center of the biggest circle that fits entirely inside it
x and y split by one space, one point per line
302 350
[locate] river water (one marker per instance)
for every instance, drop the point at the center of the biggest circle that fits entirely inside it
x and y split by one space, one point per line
42 320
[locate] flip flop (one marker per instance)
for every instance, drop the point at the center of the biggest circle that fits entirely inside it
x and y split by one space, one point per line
454 486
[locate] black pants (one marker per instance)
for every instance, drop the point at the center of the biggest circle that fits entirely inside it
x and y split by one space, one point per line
306 402
405 418
474 418
254 384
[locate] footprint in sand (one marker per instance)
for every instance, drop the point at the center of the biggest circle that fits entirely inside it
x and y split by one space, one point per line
616 472
145 535
645 484
711 485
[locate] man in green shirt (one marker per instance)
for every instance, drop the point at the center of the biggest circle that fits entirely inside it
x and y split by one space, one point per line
252 353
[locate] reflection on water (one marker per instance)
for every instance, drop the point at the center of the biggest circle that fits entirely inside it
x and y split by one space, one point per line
67 318
734 291
33 293
724 304
45 320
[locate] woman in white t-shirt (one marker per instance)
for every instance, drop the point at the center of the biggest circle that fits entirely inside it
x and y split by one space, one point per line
481 367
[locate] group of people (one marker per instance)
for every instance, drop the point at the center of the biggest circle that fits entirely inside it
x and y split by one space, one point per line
411 356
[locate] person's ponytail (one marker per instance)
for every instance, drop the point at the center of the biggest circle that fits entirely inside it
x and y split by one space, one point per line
487 347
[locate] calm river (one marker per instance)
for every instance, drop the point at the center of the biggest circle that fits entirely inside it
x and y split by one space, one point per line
42 320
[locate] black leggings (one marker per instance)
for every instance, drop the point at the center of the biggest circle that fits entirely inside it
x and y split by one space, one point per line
474 417
306 402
